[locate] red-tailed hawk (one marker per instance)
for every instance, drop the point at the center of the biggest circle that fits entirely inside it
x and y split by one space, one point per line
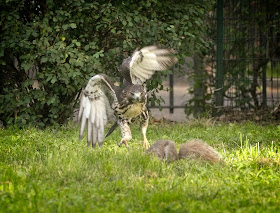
102 100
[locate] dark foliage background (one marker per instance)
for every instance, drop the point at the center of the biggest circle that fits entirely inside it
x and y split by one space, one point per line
49 49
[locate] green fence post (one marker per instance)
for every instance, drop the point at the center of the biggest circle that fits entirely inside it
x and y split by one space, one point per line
219 86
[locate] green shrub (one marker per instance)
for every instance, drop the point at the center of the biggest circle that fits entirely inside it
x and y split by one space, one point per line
49 49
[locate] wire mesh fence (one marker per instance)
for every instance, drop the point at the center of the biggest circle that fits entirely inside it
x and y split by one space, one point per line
241 72
246 60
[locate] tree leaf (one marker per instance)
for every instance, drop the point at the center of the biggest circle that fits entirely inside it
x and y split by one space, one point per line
73 25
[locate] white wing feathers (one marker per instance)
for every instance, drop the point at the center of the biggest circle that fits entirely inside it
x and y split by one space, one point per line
83 114
94 110
98 119
149 59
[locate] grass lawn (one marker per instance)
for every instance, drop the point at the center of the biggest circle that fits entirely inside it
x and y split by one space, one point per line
50 171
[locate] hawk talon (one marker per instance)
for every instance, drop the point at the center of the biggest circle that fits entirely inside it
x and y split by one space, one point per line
146 144
123 141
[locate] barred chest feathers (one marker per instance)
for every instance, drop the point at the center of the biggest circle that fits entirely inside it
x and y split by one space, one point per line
131 111
134 110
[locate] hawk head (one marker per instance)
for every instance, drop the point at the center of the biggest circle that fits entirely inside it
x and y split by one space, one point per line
133 94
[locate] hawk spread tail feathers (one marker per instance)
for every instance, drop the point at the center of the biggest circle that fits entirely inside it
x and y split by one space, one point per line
101 100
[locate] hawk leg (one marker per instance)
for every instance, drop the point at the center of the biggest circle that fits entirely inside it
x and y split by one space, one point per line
144 126
126 133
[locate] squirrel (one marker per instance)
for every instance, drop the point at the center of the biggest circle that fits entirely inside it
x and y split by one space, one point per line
193 149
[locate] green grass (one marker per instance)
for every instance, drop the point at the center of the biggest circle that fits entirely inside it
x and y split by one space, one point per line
50 171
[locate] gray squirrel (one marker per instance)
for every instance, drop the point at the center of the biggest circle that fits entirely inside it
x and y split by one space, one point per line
193 149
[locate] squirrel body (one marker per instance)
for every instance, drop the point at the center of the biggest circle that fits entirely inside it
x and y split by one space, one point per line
193 149
164 149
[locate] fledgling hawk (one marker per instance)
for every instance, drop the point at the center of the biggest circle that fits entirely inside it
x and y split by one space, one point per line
102 100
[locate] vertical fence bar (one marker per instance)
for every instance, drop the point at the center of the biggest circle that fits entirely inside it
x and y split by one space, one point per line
219 93
264 101
171 93
263 45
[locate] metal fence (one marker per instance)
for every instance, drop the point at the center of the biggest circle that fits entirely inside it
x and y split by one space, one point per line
246 59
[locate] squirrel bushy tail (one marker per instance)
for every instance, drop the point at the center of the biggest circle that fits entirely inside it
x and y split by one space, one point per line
193 149
198 149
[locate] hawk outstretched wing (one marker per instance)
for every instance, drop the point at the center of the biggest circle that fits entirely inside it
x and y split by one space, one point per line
96 108
144 62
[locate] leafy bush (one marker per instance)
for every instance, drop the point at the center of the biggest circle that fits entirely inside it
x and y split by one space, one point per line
49 49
